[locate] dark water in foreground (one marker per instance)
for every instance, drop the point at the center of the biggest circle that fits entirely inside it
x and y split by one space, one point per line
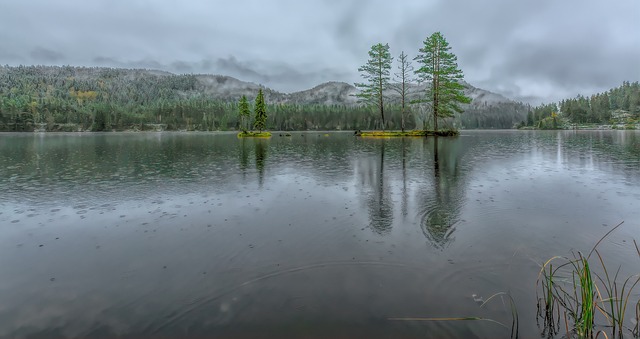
315 236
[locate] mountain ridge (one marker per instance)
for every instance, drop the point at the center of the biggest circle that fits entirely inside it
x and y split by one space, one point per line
149 90
211 84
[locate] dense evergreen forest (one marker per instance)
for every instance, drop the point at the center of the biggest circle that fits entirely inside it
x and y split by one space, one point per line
51 98
620 105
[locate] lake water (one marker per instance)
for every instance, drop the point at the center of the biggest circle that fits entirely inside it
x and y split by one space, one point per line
193 235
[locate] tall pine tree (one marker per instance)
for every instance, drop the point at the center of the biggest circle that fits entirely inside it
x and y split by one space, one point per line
243 113
376 74
439 68
261 112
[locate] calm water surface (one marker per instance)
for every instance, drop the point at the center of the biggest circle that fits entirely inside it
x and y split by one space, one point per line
315 235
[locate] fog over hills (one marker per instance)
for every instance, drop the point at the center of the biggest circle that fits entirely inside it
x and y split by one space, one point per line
486 110
226 88
147 91
328 93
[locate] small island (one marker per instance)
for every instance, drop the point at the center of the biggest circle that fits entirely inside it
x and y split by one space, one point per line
253 134
414 133
438 67
260 118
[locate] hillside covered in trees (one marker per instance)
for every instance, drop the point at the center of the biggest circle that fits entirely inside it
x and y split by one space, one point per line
52 98
618 106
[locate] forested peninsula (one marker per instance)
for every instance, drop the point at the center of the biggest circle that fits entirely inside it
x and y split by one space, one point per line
618 108
66 98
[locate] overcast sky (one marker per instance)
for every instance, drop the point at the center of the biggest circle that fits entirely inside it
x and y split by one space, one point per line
533 51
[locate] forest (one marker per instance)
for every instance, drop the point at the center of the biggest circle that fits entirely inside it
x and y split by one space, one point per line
53 98
620 105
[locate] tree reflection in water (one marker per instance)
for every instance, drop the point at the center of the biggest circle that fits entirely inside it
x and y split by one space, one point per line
244 155
261 157
442 202
375 187
439 196
405 193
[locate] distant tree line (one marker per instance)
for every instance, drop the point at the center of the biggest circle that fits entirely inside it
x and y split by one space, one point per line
103 99
68 99
601 108
501 115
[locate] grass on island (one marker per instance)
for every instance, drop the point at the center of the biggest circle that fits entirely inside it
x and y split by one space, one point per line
414 133
251 134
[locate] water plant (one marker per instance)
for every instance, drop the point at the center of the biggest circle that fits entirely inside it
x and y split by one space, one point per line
590 302
578 293
514 328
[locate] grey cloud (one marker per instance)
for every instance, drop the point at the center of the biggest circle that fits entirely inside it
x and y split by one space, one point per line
348 29
106 61
146 63
207 65
528 50
538 51
182 67
10 57
241 69
46 55
280 75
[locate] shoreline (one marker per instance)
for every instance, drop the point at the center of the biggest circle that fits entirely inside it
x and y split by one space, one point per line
368 134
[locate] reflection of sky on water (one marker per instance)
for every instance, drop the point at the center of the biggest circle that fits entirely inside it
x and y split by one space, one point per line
140 227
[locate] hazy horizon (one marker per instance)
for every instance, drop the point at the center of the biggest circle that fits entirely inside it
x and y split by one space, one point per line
533 52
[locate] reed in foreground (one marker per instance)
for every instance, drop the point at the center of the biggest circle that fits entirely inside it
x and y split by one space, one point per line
588 303
572 291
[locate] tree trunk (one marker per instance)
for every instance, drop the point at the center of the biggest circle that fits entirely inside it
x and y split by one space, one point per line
435 106
402 98
436 84
402 117
382 112
381 103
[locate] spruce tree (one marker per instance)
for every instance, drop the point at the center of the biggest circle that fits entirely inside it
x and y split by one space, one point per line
376 74
260 112
439 68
